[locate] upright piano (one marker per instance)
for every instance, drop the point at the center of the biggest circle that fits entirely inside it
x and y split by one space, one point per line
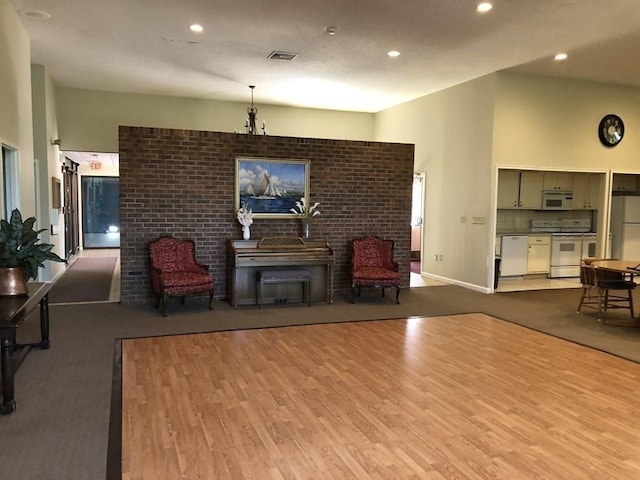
248 257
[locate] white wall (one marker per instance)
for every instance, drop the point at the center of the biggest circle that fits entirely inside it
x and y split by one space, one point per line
47 158
89 119
463 134
452 132
553 124
16 128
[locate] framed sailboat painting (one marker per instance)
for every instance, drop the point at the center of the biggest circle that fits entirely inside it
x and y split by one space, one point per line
270 187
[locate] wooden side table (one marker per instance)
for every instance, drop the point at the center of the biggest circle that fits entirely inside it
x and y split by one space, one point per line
13 311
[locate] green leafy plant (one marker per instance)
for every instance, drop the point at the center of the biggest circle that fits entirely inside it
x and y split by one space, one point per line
20 247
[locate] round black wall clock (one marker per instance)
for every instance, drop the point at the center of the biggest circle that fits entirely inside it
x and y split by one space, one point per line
611 130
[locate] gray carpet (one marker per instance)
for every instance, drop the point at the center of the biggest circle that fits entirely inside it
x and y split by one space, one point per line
61 426
87 280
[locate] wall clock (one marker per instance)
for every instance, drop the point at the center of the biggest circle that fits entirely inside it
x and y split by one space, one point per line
611 130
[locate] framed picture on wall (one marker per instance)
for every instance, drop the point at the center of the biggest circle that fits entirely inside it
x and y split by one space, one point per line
269 186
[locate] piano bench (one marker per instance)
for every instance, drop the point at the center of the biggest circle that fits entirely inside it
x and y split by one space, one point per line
285 276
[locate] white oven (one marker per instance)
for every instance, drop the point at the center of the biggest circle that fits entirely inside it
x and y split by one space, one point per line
589 246
566 254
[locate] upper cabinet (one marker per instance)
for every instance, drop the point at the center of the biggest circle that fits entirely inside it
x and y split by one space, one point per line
586 191
508 189
623 182
520 189
531 186
558 181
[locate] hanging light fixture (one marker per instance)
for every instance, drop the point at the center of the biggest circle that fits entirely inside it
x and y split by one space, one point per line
252 112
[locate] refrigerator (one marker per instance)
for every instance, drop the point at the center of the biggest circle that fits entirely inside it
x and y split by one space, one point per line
625 228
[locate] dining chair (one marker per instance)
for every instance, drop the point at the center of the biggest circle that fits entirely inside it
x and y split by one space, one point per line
604 290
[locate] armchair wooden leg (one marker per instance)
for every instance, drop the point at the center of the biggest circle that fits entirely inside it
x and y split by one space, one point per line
382 291
398 295
353 294
211 299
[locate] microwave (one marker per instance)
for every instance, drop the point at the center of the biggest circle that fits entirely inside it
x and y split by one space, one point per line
556 200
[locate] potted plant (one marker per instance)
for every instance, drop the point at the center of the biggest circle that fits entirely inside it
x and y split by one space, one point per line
21 254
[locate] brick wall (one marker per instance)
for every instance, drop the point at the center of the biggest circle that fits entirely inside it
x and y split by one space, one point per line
181 183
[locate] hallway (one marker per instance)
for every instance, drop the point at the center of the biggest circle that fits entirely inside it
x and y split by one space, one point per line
114 294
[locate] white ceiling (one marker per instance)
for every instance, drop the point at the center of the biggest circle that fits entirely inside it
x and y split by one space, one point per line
145 46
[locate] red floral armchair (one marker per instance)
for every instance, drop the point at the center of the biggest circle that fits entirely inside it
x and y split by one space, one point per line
373 266
175 271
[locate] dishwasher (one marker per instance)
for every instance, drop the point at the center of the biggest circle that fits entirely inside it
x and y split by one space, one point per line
514 250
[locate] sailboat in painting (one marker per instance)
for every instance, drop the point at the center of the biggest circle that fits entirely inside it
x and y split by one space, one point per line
263 188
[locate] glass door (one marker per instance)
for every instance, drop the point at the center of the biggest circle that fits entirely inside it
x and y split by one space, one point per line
101 212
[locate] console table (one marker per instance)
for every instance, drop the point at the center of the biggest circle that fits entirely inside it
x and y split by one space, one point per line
247 257
13 311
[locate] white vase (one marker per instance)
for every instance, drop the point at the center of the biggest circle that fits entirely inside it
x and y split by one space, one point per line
246 233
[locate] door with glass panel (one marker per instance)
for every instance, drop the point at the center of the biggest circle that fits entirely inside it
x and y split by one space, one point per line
100 212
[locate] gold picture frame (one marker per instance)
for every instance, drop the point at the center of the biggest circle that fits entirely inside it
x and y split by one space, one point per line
270 186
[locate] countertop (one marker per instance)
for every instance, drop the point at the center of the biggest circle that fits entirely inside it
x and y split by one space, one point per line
538 234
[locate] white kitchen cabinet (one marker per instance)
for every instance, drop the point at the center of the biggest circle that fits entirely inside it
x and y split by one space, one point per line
586 191
531 185
623 182
539 253
558 181
514 255
508 188
520 189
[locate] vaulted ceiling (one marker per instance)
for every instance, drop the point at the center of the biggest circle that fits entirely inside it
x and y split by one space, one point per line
145 46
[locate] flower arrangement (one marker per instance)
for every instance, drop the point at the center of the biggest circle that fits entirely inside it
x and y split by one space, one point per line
306 213
245 215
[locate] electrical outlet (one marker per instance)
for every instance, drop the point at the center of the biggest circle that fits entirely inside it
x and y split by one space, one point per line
440 258
435 258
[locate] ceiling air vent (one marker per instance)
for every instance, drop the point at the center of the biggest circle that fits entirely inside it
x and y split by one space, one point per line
286 56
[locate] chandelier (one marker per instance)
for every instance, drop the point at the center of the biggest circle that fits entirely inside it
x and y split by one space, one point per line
252 112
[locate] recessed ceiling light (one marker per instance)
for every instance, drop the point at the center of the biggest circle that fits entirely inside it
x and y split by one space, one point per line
331 30
484 7
560 56
393 53
196 28
30 13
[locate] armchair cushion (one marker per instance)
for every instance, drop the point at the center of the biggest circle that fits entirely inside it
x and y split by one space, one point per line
376 276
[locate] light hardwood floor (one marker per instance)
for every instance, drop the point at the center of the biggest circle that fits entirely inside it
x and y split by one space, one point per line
464 397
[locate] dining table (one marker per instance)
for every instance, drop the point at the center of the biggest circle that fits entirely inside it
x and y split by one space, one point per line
628 267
